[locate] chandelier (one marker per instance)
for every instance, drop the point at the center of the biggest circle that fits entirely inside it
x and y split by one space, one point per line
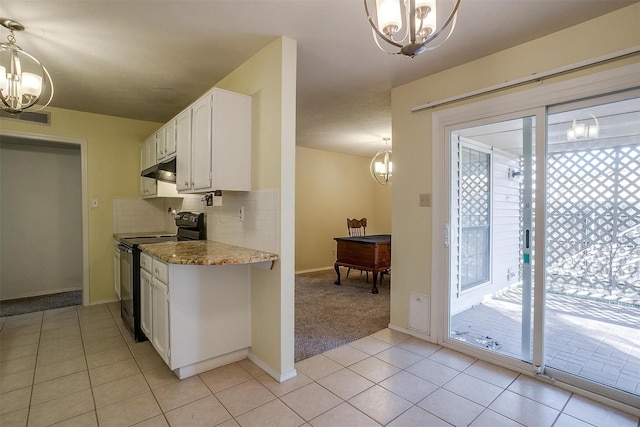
20 89
421 32
581 129
381 167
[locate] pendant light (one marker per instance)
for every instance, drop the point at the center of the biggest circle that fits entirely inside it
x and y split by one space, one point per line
23 79
381 167
410 25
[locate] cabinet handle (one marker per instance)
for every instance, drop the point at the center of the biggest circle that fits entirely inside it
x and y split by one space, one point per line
186 183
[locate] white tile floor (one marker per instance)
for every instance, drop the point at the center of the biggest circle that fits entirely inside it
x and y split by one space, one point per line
74 367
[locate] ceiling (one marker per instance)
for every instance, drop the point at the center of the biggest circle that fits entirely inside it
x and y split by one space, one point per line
149 59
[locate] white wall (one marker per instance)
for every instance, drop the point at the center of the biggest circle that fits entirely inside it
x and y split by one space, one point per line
331 187
270 78
40 191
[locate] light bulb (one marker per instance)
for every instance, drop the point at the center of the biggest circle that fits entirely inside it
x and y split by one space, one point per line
31 84
389 16
3 78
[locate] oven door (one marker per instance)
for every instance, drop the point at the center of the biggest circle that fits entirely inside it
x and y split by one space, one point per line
126 284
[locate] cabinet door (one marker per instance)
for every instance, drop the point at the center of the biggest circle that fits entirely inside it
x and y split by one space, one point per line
170 139
160 319
148 187
183 150
201 144
148 153
160 144
146 303
231 141
143 156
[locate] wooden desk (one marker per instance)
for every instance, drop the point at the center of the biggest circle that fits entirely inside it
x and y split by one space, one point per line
369 253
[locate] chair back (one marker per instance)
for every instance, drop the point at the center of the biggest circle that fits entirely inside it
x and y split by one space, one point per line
357 227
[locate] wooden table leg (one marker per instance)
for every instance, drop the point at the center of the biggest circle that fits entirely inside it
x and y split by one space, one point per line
337 268
374 289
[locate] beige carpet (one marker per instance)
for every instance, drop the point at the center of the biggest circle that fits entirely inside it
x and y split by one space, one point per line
328 316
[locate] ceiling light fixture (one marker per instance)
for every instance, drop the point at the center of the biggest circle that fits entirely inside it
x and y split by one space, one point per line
581 130
381 167
20 89
419 23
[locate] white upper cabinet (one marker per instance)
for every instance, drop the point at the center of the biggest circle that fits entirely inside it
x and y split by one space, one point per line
201 143
148 152
183 150
148 187
160 143
166 141
211 141
219 149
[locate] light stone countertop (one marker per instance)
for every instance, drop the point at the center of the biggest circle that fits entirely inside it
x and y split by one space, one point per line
206 252
143 234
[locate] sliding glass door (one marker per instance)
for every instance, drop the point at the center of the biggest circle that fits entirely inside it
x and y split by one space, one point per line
592 244
491 287
570 309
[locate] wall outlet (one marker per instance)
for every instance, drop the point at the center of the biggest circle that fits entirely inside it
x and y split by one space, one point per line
95 202
420 313
425 200
242 214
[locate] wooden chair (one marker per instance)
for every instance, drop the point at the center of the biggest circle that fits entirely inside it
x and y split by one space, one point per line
357 228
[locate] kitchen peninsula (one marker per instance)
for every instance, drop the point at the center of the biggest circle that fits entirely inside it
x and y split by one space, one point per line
196 302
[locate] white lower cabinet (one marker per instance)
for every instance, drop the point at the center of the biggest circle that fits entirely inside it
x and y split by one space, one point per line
160 319
154 304
200 316
146 306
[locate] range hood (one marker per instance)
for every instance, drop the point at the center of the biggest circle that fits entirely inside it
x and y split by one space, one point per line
165 171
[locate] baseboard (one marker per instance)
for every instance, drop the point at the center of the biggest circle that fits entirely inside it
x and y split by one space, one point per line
280 377
209 364
313 270
411 332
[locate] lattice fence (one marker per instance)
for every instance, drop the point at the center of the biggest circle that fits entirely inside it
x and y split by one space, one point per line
475 197
593 223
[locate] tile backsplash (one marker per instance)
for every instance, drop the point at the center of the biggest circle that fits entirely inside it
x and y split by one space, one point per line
144 215
259 227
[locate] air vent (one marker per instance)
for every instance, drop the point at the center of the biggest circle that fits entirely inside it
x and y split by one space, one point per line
29 116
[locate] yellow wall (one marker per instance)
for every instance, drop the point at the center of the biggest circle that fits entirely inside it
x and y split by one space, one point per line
331 187
113 164
270 78
411 224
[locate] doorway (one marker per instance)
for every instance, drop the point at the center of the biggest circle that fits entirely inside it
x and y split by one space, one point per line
42 223
544 250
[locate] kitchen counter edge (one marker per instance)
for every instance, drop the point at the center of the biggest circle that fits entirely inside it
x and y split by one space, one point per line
206 252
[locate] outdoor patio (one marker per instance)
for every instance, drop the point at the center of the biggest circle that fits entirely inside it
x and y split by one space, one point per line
592 339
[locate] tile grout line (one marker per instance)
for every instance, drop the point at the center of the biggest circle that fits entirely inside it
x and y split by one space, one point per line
33 378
